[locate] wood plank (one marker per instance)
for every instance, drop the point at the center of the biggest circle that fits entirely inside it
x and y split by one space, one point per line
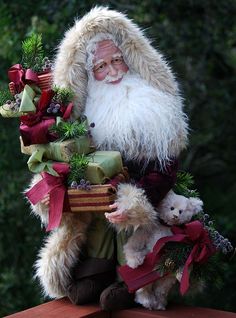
61 308
64 309
174 312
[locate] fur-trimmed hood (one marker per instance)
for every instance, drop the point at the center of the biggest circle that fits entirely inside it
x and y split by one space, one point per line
137 51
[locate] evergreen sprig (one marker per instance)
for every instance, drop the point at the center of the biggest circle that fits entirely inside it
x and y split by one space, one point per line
63 95
209 272
32 52
184 184
174 257
70 130
5 96
78 164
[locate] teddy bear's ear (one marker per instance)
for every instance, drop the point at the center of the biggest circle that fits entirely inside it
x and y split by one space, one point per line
195 205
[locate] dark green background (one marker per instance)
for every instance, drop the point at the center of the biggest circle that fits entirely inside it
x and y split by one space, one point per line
198 39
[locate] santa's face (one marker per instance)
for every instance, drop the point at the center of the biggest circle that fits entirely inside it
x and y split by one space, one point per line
108 62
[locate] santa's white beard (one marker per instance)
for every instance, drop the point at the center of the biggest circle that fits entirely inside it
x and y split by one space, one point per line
140 121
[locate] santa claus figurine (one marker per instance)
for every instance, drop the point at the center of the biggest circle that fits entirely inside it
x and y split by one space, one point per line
124 86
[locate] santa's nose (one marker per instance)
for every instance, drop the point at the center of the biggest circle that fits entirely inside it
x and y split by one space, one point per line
112 70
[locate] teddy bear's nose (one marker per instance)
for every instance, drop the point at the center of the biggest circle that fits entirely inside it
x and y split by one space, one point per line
175 216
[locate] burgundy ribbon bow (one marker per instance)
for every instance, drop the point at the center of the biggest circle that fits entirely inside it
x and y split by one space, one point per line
40 134
32 119
191 233
45 98
20 76
55 186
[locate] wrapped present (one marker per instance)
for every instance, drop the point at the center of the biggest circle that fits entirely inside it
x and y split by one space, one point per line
97 199
102 166
24 103
59 150
10 110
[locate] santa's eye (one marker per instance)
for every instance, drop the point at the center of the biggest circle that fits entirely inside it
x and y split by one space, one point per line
117 60
180 211
172 208
100 68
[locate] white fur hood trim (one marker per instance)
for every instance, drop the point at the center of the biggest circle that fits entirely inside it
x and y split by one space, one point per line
137 50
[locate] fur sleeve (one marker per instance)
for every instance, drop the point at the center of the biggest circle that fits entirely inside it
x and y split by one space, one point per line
136 205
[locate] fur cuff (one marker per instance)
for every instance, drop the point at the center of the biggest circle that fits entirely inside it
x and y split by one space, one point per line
60 254
136 205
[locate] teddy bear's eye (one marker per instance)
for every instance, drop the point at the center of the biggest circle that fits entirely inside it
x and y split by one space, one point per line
180 211
172 208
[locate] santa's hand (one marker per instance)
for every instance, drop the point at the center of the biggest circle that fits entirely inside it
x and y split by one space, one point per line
46 200
118 216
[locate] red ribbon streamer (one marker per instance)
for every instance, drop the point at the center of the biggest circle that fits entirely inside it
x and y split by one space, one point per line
191 233
55 186
20 76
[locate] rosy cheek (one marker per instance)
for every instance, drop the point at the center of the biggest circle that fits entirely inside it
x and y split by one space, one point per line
99 76
123 67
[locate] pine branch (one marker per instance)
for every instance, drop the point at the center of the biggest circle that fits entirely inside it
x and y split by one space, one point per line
78 165
63 95
70 130
32 52
5 96
184 184
174 257
209 272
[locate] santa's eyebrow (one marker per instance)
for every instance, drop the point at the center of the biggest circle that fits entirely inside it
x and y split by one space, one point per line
119 54
98 62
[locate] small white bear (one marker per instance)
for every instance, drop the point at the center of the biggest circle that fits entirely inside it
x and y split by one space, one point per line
173 210
176 209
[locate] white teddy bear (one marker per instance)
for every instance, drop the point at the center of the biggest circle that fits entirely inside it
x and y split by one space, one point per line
176 209
173 210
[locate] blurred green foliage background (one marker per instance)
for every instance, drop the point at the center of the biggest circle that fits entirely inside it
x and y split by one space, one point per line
198 39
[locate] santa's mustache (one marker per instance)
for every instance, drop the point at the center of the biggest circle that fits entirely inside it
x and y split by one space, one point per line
108 79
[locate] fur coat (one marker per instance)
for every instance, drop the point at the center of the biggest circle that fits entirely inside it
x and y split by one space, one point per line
61 249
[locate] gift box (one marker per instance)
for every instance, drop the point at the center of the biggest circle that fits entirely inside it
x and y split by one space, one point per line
59 150
102 166
9 111
97 199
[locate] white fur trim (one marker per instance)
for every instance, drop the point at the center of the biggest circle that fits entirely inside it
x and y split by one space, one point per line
136 205
139 55
60 253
